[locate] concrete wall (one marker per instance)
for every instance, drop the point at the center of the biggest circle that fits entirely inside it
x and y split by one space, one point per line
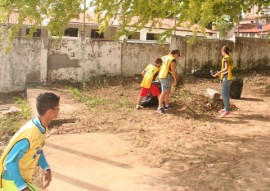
135 56
252 53
33 61
77 60
247 53
21 65
73 59
202 53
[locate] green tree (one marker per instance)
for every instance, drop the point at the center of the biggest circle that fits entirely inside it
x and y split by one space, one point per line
223 25
57 13
200 12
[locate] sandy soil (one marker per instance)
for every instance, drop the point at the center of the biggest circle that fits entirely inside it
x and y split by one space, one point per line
200 150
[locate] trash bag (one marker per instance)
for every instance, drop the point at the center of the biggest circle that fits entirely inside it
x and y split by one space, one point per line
150 101
203 73
236 88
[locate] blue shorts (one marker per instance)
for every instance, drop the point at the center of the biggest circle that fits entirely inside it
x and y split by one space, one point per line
165 83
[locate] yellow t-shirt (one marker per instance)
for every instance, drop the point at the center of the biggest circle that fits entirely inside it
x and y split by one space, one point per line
165 67
228 59
150 71
28 162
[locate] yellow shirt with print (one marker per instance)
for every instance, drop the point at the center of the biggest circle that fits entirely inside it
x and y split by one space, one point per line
150 72
230 67
165 67
28 162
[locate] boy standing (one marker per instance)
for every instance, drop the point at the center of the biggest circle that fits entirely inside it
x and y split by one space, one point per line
24 151
167 71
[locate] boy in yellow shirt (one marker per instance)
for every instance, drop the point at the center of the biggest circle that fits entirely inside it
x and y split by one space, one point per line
25 150
149 74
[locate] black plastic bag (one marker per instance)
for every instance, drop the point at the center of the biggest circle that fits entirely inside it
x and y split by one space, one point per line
150 101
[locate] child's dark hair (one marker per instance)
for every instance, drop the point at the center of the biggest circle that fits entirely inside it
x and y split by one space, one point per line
158 61
226 49
46 101
175 52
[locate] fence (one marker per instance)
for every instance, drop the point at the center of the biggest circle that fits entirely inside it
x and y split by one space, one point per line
41 61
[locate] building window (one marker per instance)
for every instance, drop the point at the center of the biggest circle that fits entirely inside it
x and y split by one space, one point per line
73 32
96 34
20 32
151 36
35 34
134 36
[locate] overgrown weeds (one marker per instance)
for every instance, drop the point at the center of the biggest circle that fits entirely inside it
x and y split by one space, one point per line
90 101
11 122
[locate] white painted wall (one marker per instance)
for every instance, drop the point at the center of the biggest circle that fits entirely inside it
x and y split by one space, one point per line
135 56
21 65
144 31
83 59
74 60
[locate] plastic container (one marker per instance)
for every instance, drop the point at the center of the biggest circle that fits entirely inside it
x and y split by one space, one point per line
236 88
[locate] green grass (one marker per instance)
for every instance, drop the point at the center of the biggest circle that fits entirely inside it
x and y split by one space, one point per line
90 101
181 94
10 123
24 106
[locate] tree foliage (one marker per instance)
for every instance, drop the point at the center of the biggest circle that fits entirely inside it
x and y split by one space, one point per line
57 13
223 24
200 12
52 14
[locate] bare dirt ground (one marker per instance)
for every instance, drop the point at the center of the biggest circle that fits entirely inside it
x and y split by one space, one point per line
201 151
198 150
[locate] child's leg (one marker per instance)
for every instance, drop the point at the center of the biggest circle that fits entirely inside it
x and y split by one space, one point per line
140 97
226 93
139 100
143 93
166 98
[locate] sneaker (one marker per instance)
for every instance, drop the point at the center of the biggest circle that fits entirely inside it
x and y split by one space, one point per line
139 107
160 110
221 111
224 114
167 107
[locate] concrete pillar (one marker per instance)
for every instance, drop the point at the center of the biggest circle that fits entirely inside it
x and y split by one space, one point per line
173 45
44 58
143 35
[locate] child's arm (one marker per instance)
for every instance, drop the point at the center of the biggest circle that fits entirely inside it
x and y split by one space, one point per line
42 162
143 72
225 69
173 68
45 167
12 163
